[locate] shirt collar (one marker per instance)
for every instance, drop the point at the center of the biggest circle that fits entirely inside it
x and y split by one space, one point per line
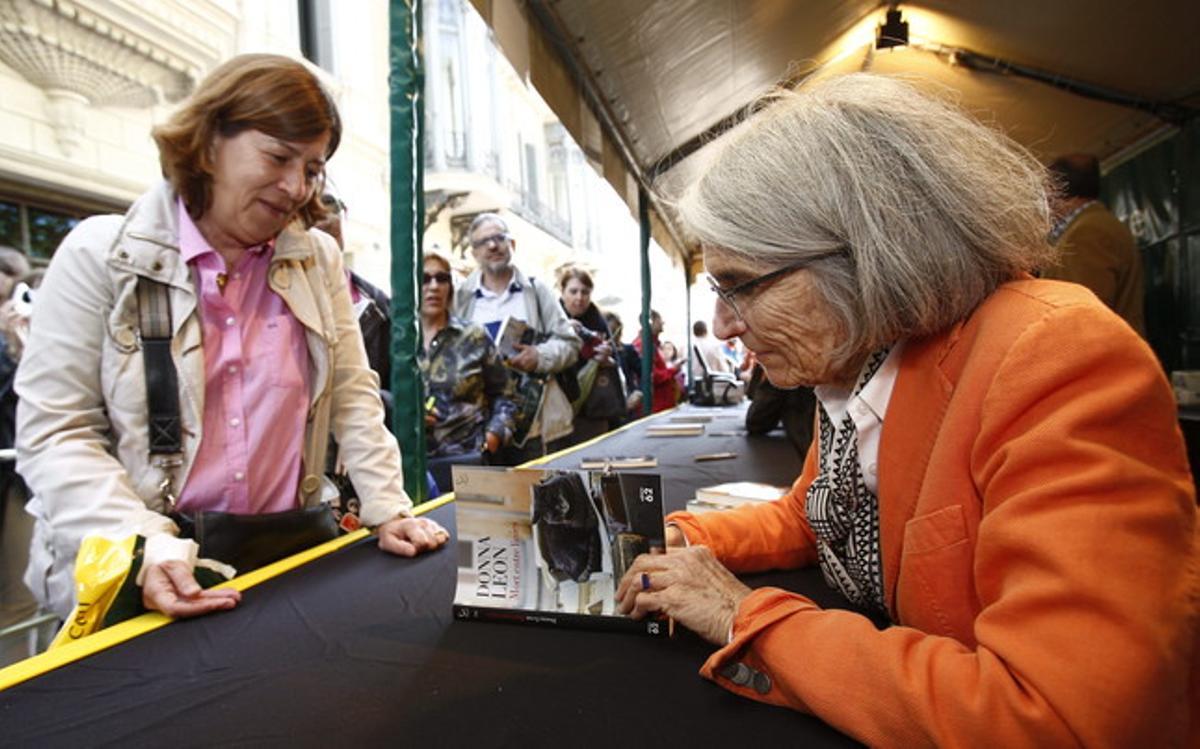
192 243
514 287
875 394
878 391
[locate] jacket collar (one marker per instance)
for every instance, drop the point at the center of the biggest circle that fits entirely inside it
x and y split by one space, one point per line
149 242
914 416
930 370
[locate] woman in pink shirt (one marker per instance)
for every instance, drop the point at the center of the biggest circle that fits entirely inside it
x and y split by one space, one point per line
265 354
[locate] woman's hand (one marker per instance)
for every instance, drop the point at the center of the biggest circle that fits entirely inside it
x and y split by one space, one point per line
688 585
603 353
171 588
408 537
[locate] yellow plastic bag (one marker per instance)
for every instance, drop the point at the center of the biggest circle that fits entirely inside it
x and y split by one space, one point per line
105 587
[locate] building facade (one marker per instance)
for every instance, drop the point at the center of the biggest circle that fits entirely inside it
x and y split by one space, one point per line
84 81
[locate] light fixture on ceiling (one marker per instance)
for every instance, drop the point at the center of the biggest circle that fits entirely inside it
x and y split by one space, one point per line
893 32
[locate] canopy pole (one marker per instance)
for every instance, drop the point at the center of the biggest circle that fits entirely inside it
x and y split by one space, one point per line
647 336
687 294
407 106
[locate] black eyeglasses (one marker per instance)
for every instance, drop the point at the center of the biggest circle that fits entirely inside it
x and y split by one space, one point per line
498 239
441 277
729 296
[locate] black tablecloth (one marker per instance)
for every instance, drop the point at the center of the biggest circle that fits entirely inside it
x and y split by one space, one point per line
766 458
359 648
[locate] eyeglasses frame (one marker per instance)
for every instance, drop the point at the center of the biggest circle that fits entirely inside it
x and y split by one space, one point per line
498 238
728 296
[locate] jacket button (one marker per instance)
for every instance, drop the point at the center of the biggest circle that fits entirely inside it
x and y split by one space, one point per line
125 338
156 266
761 683
310 484
738 673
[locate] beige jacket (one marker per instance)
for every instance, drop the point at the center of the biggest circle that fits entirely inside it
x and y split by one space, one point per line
82 421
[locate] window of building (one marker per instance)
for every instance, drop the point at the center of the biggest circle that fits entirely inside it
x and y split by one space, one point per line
316 32
35 230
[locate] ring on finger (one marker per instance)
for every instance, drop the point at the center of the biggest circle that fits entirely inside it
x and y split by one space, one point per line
645 581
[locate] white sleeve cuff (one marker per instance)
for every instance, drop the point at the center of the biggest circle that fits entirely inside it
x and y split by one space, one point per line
163 547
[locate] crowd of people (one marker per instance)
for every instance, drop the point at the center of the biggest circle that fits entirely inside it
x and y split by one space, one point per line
1026 516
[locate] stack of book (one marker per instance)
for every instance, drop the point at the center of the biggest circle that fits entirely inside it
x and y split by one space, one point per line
674 430
736 494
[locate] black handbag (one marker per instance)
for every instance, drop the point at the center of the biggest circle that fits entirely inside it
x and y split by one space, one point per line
248 542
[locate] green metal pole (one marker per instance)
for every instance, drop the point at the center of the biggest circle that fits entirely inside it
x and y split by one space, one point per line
407 104
687 294
647 337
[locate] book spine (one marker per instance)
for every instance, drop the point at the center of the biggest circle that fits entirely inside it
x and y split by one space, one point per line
650 627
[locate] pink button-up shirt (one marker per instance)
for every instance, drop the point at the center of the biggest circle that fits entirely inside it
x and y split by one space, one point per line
256 384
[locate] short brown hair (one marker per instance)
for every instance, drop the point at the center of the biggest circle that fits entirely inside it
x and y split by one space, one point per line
273 94
579 274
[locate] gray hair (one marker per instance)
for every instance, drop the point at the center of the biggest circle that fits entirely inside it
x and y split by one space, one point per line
487 218
934 209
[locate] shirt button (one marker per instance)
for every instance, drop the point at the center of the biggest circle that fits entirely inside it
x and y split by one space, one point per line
237 276
233 369
861 409
239 476
873 469
234 421
230 321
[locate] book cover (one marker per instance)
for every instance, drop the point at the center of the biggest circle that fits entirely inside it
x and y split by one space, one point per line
548 546
511 333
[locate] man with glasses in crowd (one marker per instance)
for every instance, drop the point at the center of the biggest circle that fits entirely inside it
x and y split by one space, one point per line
496 291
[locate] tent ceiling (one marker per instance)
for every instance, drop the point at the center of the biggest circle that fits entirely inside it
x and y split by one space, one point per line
668 71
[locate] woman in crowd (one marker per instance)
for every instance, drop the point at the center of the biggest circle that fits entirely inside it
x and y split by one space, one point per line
664 377
629 362
600 405
998 471
471 412
249 308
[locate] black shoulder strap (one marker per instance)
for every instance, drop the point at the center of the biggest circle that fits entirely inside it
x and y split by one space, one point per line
162 384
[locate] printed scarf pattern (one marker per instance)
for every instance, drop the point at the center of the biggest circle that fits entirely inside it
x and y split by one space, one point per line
843 512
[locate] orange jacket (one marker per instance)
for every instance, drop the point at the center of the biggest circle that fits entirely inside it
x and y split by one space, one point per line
1038 541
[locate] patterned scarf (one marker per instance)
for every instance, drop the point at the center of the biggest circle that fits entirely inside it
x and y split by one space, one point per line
843 512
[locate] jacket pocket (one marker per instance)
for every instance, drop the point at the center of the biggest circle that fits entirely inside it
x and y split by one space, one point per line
935 589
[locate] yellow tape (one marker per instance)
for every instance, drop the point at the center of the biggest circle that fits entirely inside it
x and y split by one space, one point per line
140 625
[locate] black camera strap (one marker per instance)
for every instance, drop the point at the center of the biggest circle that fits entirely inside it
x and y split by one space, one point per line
162 383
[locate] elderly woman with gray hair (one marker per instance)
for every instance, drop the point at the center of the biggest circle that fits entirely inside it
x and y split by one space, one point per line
998 472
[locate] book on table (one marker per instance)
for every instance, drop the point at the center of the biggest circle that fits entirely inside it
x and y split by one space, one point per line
618 462
674 430
549 546
734 494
